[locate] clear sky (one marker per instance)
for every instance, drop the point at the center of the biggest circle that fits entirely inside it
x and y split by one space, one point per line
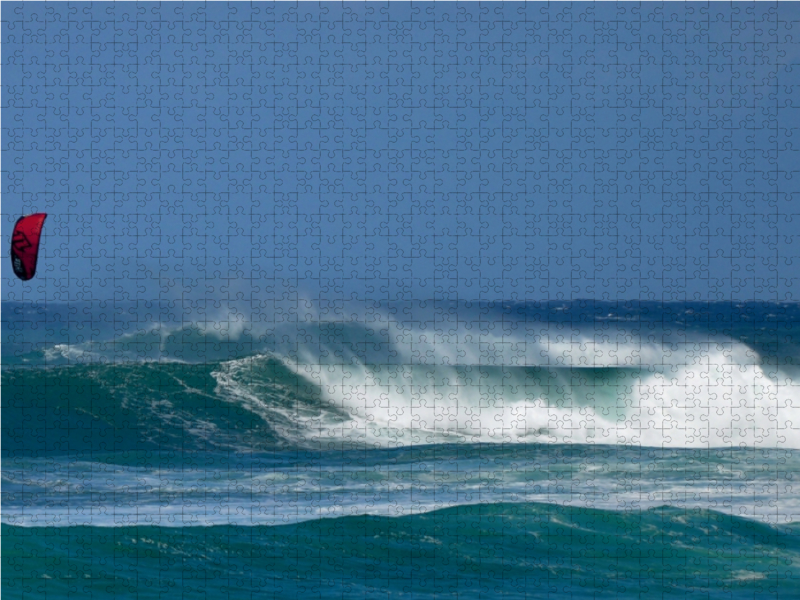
404 151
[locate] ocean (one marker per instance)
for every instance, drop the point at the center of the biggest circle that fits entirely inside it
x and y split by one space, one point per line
561 449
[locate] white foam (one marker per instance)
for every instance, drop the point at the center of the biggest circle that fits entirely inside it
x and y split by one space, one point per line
468 385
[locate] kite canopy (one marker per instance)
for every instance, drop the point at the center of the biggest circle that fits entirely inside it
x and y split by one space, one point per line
25 245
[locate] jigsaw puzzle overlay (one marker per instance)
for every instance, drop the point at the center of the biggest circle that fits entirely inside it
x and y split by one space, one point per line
402 300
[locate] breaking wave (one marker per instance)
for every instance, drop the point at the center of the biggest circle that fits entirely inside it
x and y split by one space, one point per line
421 376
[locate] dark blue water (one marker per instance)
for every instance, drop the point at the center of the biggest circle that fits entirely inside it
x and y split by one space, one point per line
401 450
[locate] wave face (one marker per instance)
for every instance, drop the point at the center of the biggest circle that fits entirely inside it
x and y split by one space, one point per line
500 550
389 376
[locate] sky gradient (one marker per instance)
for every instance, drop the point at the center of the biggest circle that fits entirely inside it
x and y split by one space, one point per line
404 151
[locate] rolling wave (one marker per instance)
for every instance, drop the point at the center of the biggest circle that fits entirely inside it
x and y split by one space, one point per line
704 398
420 375
525 550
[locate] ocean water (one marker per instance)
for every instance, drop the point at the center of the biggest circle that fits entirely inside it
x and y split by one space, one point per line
401 450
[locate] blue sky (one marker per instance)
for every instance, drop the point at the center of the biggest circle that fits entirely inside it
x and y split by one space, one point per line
399 151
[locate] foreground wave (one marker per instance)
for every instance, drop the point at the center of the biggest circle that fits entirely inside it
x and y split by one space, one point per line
527 550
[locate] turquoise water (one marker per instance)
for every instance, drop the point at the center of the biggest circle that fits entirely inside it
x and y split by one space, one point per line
463 450
527 550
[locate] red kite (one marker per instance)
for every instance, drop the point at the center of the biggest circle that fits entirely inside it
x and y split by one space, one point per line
25 245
